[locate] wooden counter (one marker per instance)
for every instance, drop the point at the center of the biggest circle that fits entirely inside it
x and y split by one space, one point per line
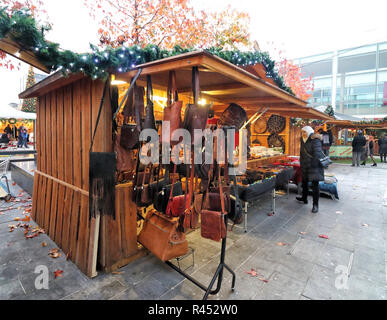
254 163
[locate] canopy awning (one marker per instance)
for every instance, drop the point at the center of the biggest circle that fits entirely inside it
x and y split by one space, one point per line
7 112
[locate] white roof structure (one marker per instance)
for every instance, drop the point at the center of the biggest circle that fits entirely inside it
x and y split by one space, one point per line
8 112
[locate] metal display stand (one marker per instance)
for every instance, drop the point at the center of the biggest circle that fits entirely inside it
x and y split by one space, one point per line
218 273
222 265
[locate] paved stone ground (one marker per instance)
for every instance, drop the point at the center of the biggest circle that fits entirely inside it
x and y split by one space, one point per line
307 267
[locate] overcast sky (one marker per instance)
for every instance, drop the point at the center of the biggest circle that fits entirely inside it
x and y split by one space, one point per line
297 27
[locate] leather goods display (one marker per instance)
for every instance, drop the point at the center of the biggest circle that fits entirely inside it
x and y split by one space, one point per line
160 236
149 122
172 112
276 124
195 115
142 190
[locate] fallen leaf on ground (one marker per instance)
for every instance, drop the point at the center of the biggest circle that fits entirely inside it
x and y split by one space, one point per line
253 273
27 218
303 233
14 183
323 236
17 219
44 244
365 225
117 272
11 227
281 244
54 253
263 280
58 273
270 214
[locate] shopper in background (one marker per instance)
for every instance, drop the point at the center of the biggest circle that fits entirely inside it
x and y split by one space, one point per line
312 171
369 151
383 148
326 141
358 144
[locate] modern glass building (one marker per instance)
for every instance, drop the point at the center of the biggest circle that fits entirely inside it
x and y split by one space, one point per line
353 81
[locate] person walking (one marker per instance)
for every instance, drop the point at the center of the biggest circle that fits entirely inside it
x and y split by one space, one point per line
358 144
326 141
369 151
383 148
311 168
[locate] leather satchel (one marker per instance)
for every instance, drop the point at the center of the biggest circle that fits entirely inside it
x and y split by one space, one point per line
213 224
172 111
195 115
126 163
160 236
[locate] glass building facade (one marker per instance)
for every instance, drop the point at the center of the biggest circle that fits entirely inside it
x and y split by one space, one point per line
359 75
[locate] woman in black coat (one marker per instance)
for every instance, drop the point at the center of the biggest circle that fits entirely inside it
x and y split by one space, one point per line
312 171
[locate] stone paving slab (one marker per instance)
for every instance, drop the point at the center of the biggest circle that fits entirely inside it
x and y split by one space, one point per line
285 250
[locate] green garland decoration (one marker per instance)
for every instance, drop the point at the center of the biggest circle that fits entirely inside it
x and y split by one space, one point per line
22 28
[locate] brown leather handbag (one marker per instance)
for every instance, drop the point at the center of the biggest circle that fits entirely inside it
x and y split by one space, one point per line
160 236
172 111
130 133
195 115
126 163
213 224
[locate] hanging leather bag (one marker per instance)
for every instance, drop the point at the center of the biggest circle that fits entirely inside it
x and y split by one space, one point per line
149 122
191 215
172 111
213 224
195 115
160 236
130 133
176 204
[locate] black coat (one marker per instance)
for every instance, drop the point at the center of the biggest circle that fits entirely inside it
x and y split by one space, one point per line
310 155
358 143
382 145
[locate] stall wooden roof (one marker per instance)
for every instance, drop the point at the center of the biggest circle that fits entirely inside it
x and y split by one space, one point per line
345 124
15 50
221 82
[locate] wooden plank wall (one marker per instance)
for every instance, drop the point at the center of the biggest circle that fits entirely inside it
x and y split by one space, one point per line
294 141
65 120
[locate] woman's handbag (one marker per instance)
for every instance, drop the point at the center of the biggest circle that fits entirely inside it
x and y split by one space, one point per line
160 236
325 162
172 111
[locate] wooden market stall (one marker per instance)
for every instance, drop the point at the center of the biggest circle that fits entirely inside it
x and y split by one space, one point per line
67 113
342 148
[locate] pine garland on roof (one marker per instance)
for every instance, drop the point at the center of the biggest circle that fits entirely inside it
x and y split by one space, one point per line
22 28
